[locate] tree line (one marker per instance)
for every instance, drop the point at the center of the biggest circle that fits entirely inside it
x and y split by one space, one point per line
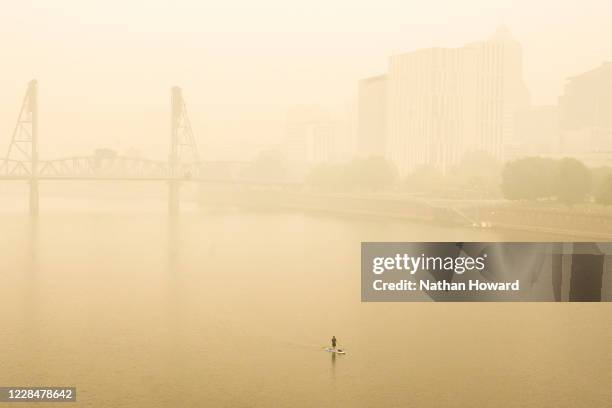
477 175
566 180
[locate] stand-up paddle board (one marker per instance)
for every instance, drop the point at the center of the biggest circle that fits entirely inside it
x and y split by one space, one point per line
335 350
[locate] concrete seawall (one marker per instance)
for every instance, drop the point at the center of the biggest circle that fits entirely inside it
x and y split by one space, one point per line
564 221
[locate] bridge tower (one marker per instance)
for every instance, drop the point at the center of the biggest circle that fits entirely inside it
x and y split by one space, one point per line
184 155
22 155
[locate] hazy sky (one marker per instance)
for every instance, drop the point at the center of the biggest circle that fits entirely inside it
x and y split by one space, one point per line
105 67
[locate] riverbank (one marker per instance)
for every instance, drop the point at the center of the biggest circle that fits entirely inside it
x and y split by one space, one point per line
586 222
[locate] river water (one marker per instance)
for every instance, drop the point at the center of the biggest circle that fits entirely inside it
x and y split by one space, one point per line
232 309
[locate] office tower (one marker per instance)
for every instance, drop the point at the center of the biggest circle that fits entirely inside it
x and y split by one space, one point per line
444 102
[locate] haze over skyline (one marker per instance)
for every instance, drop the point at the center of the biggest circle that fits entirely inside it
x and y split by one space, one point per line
105 70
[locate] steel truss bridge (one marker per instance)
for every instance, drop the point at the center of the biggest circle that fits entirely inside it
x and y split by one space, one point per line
22 161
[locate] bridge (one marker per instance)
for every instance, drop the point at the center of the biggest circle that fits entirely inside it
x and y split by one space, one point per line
22 161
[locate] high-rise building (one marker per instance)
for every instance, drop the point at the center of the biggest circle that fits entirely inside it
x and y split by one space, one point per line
372 116
444 102
586 112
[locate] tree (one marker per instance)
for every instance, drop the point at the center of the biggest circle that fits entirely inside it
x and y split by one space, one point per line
327 177
370 173
604 193
478 171
367 173
530 178
572 182
425 178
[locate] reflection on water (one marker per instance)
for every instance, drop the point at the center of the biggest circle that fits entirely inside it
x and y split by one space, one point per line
234 309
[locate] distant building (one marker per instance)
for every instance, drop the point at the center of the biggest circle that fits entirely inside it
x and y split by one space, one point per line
309 136
105 153
443 102
537 133
586 112
346 133
372 116
133 153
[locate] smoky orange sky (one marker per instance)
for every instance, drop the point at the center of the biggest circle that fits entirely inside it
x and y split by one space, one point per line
105 67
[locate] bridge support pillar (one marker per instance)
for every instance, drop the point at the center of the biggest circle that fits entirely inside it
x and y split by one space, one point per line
173 197
175 143
34 197
33 108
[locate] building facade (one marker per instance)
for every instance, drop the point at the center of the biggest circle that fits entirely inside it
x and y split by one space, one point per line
372 116
586 113
444 102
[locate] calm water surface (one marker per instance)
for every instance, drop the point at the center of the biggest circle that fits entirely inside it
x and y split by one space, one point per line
232 309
